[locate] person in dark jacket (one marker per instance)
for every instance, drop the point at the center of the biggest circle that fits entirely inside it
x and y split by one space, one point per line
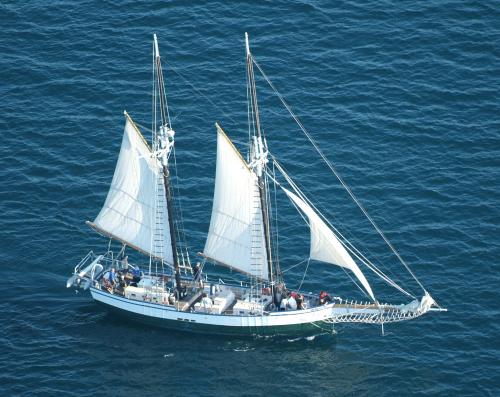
324 297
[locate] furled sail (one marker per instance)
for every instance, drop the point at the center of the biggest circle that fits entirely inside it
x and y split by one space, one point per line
236 234
129 213
325 246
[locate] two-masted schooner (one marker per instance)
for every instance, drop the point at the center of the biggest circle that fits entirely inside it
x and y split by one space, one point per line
140 212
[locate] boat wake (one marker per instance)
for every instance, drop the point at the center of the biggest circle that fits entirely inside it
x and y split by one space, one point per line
243 349
302 338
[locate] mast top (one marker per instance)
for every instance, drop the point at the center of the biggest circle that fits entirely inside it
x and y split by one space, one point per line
157 51
247 46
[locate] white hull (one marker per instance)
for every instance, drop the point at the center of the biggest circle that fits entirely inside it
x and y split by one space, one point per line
231 310
276 322
294 322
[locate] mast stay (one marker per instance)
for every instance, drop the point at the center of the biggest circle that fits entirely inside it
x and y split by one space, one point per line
343 240
336 173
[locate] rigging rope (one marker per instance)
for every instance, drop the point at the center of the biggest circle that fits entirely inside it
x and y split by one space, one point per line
276 228
339 177
170 67
304 275
294 266
344 241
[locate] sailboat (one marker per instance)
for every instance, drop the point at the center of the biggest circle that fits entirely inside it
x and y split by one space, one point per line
140 213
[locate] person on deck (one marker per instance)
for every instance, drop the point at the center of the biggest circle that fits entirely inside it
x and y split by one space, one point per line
197 275
136 277
283 303
197 271
112 277
324 297
300 302
206 301
106 285
292 303
125 262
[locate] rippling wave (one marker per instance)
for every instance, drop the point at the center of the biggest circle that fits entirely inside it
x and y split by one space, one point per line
401 96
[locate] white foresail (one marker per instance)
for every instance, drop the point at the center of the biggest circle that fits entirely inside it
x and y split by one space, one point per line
236 234
129 211
325 246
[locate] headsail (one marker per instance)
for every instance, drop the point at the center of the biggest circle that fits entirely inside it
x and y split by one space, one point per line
128 213
325 246
236 235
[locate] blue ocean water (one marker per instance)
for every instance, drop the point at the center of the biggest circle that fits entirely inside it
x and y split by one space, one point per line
401 96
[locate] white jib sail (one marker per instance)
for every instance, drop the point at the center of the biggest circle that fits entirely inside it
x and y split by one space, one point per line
325 246
236 234
129 211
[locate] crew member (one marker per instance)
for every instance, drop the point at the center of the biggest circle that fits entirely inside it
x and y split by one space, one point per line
324 297
206 301
292 302
300 302
112 277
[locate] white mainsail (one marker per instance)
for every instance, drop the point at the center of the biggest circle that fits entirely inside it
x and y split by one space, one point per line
325 246
129 213
236 234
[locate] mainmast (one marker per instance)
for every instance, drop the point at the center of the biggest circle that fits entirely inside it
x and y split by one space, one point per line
166 144
259 160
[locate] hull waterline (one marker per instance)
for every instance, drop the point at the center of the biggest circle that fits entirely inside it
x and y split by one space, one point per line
304 323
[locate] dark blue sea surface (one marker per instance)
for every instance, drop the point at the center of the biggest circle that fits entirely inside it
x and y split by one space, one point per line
402 96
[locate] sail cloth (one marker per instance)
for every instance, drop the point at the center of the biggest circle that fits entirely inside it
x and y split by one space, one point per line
129 213
236 234
325 246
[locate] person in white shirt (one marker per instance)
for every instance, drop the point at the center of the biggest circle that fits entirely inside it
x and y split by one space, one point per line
206 301
292 303
283 303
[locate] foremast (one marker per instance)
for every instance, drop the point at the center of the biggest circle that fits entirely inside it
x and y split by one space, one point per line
258 162
165 143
